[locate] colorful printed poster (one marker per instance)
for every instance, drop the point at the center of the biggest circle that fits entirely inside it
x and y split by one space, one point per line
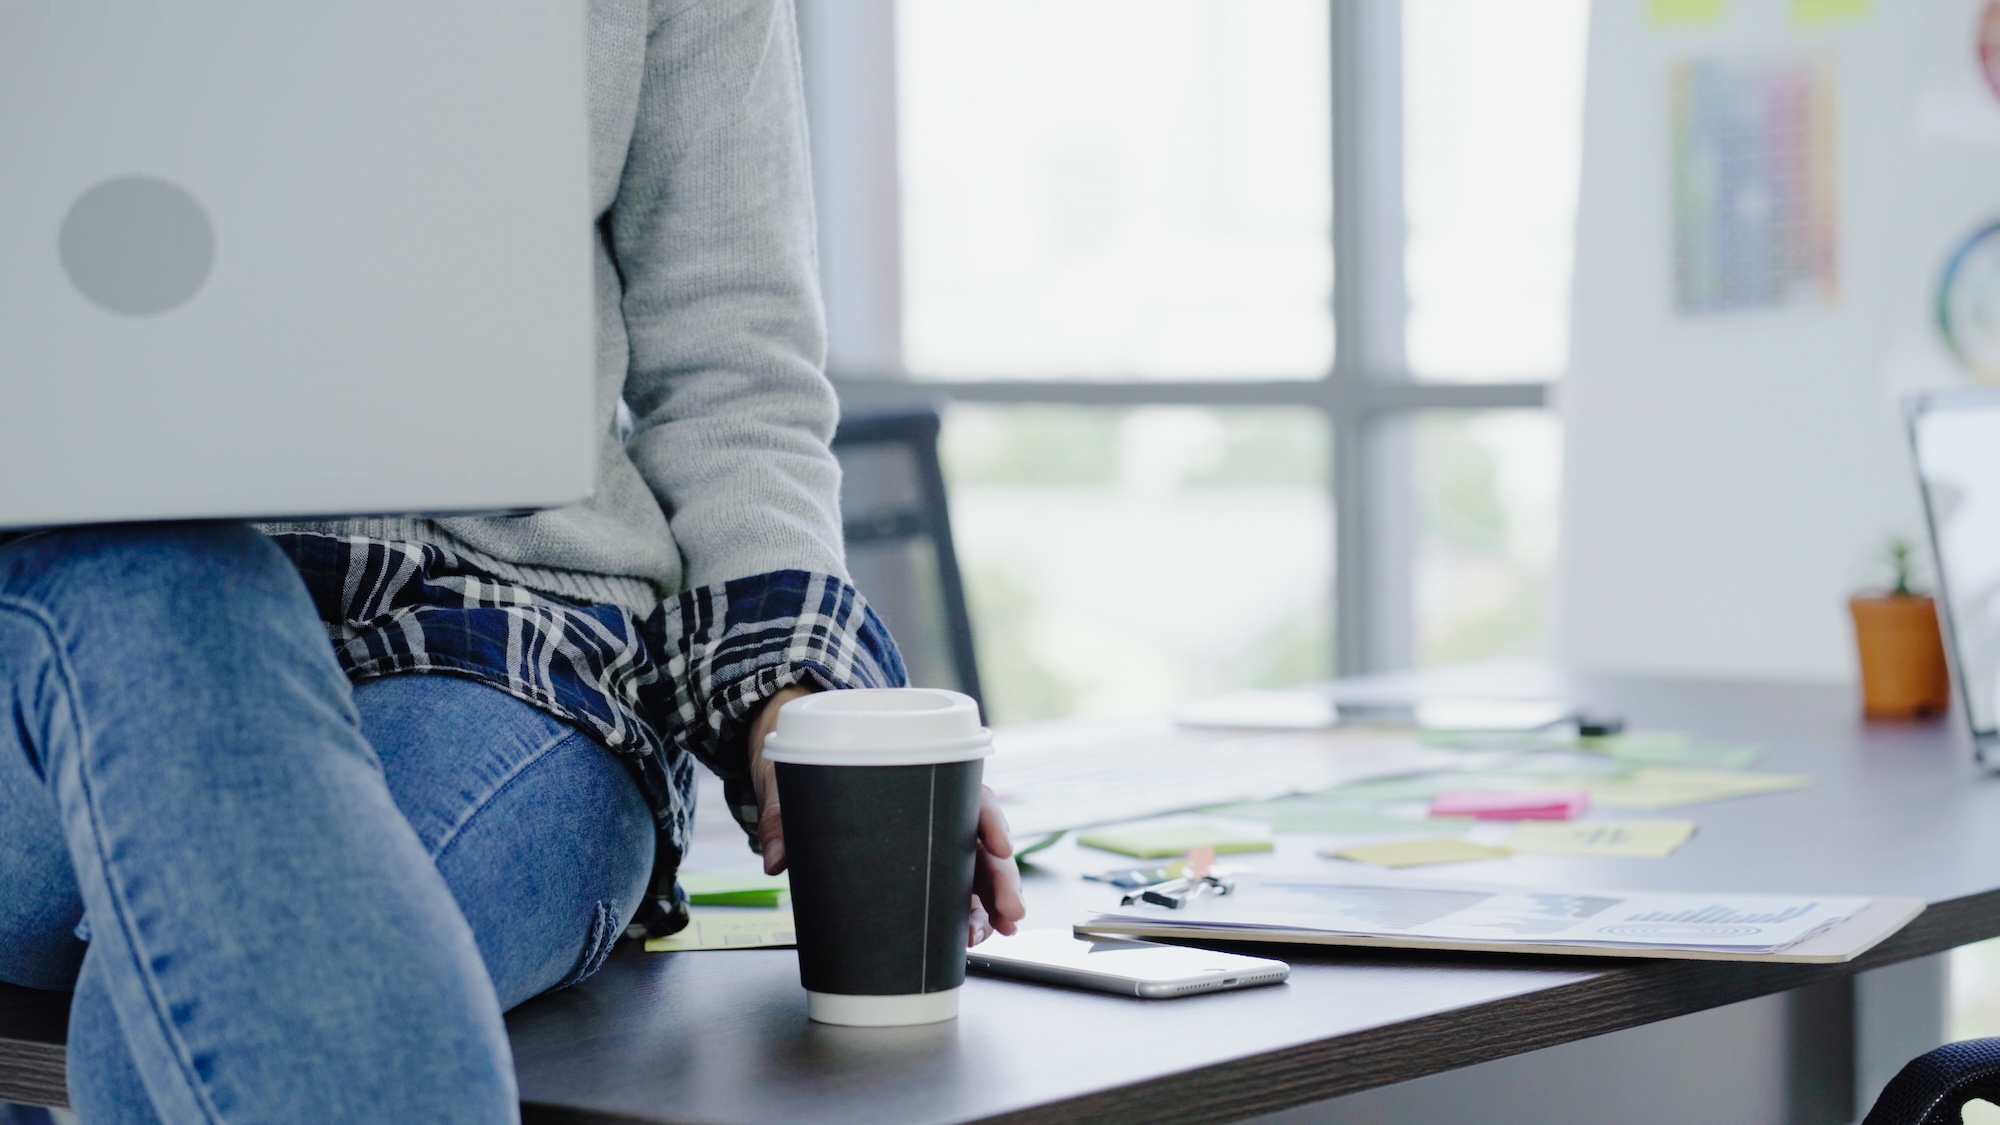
1989 46
1808 13
1755 200
1684 11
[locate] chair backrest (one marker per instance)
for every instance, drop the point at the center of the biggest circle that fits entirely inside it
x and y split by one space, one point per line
1934 1087
899 547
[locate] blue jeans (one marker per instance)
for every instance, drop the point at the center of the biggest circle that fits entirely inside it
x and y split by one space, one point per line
303 900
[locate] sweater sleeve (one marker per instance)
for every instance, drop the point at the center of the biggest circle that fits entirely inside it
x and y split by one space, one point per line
712 232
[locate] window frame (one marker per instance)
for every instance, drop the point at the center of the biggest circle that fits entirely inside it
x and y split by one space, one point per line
1372 471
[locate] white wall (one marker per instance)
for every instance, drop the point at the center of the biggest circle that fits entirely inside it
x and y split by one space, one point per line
1730 477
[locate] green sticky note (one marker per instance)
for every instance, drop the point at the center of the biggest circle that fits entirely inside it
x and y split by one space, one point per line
1313 814
1418 853
1661 788
1674 750
1021 855
1564 767
1684 11
710 888
1347 820
1618 839
1154 843
1806 13
1392 789
1491 739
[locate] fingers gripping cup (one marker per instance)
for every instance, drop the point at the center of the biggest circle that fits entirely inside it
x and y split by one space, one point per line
879 790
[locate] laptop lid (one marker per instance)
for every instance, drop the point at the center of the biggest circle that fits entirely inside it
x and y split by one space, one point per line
292 258
1955 437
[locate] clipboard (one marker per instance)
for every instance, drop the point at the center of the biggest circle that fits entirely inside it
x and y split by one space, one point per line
1844 942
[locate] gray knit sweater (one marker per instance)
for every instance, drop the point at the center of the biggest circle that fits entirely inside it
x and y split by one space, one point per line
709 324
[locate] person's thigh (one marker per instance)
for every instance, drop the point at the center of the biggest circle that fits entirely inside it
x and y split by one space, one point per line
40 905
539 831
271 932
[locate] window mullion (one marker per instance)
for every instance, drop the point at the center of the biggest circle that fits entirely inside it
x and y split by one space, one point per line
1369 314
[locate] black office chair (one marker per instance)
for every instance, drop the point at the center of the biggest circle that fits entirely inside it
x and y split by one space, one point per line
899 548
1933 1088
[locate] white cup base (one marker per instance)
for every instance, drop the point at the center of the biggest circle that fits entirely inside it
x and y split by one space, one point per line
882 1011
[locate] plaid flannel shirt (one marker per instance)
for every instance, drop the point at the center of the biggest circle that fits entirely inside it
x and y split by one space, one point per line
682 685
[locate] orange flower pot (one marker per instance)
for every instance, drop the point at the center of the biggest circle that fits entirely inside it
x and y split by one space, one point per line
1903 672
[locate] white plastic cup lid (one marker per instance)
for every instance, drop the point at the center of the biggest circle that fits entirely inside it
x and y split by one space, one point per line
879 727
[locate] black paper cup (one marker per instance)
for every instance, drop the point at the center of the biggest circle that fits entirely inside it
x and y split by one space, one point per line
880 795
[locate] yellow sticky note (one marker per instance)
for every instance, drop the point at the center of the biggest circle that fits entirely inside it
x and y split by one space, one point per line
1684 11
1662 788
1624 839
1418 853
1806 13
725 928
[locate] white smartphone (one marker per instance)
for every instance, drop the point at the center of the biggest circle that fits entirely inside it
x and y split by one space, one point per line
1129 968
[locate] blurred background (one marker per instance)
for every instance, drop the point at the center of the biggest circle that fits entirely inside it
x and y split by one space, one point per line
1106 232
1278 339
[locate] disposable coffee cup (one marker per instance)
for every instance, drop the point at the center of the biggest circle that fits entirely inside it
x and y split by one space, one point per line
879 791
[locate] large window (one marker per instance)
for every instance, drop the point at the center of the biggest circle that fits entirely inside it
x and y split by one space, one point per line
1245 310
1124 560
1486 485
1493 115
1115 188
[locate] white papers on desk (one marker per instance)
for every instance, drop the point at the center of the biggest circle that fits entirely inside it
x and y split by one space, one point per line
1052 776
1716 923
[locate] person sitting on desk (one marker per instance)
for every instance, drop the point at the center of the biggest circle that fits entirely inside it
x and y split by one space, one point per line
294 880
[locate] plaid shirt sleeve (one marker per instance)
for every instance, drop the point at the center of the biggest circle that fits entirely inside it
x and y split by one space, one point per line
726 648
684 684
722 650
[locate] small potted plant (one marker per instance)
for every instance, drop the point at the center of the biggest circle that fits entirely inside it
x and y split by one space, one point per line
1903 672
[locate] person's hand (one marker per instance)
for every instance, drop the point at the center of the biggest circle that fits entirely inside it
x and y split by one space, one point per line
764 779
996 879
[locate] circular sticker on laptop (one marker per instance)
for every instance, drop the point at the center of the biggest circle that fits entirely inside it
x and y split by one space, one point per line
136 245
1968 303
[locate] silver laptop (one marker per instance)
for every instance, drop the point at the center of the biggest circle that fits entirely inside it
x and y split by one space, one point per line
292 258
1956 439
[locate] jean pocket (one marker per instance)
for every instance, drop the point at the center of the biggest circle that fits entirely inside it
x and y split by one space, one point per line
604 931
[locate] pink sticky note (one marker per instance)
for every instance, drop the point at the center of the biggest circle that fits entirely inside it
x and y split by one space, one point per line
1544 804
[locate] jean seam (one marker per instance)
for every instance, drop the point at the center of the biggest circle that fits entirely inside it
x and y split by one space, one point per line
119 908
457 829
597 947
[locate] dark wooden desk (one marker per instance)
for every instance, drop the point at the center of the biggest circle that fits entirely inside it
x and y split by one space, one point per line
722 1037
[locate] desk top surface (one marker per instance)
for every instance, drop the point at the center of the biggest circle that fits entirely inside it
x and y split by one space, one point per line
722 1037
